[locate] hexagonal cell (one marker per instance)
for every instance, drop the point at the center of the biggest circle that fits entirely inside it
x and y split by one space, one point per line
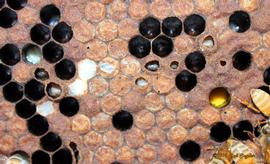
8 18
40 155
10 54
50 15
65 69
69 106
37 125
122 120
17 4
219 97
13 91
64 153
31 54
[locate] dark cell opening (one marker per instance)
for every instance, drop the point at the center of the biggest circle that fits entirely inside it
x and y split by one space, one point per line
122 120
40 34
53 90
239 21
50 15
10 54
13 92
17 4
195 61
220 132
222 62
265 89
190 150
174 64
241 60
139 46
150 27
62 32
41 74
2 3
31 54
8 18
65 69
172 26
25 109
40 157
152 66
50 142
185 81
241 129
34 90
37 125
62 156
266 76
5 74
69 106
21 154
116 162
162 46
194 25
53 52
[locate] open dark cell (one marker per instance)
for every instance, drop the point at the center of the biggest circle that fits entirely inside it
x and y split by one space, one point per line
152 66
139 46
40 157
41 74
172 26
10 54
265 89
69 106
53 90
62 156
40 34
62 32
174 64
50 142
241 60
8 17
195 61
194 25
239 21
17 4
5 74
150 27
220 132
185 81
31 54
2 3
65 69
34 90
25 109
122 120
116 162
13 91
37 125
241 129
266 76
190 150
50 15
162 46
53 52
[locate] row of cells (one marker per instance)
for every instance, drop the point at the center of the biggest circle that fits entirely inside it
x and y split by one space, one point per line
162 44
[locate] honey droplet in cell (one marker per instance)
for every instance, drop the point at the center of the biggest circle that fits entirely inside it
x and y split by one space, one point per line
219 97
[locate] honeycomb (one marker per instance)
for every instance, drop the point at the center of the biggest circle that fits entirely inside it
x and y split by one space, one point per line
129 81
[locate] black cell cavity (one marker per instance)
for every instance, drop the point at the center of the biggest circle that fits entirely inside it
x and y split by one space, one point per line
122 120
13 91
50 15
152 66
150 27
194 25
40 34
53 52
220 132
25 109
53 90
139 46
116 162
62 32
195 61
69 106
8 18
5 74
37 125
239 21
62 156
10 54
41 74
162 46
190 150
34 90
172 26
65 69
185 81
40 157
17 4
2 3
241 129
50 142
266 76
265 89
241 60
